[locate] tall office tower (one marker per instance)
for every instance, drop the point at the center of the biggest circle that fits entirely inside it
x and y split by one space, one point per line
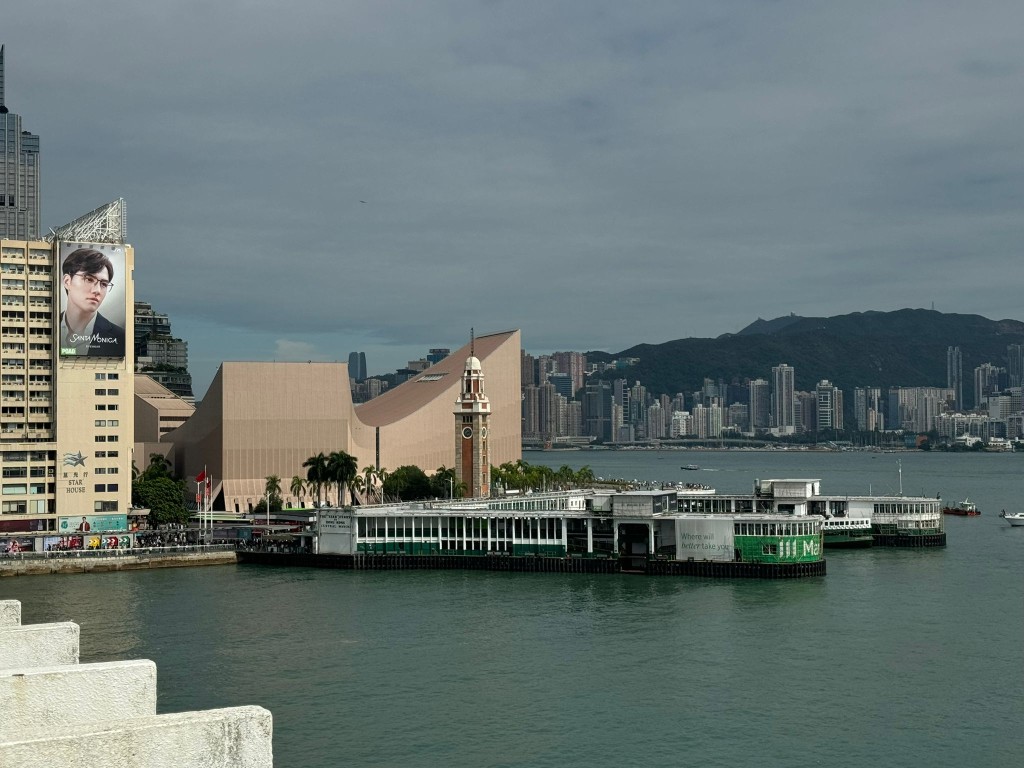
805 412
637 404
955 376
829 406
654 422
67 427
357 366
620 396
738 417
783 390
867 409
527 370
760 405
160 355
988 380
597 410
562 383
1015 364
19 174
434 356
574 365
530 412
548 410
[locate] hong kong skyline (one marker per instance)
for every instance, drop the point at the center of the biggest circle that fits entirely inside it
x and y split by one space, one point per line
307 180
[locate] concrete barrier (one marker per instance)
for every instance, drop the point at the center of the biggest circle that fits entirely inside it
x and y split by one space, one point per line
57 712
39 645
239 737
33 699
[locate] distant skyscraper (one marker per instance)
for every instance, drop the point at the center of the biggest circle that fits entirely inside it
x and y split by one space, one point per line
1015 364
760 404
357 365
783 391
988 380
19 174
955 376
574 365
829 400
434 356
597 410
160 355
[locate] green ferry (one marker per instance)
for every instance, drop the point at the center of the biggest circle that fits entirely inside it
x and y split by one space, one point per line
895 521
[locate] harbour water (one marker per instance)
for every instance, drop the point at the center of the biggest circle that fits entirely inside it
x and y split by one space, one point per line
895 658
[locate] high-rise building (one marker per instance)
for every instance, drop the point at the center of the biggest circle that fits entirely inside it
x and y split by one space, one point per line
955 376
357 366
867 409
988 380
160 355
783 391
573 365
1015 364
67 429
829 400
760 405
597 410
434 356
19 173
528 370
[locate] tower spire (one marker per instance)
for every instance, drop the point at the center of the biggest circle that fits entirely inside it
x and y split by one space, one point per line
1 75
472 343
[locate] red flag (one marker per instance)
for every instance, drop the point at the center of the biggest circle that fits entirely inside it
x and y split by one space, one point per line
201 476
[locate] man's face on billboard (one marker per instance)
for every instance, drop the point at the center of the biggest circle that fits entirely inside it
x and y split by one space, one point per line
86 292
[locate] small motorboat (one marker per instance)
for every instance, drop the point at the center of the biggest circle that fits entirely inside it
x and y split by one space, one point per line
1013 518
693 467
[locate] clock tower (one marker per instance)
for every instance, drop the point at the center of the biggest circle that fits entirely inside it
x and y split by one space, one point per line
472 412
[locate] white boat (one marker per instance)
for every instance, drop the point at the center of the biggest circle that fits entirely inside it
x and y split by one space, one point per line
1013 518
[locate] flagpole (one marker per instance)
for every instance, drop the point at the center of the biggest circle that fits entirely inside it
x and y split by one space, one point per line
206 499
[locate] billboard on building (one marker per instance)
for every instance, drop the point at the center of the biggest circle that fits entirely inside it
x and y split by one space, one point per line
93 300
92 524
704 538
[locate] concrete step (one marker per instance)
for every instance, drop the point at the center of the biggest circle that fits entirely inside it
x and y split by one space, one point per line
57 712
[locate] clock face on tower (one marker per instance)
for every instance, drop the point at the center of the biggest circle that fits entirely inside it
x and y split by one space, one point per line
467 432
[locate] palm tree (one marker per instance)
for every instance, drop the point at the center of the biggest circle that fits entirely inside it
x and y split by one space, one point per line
357 485
316 473
369 474
341 469
584 477
273 486
298 487
272 491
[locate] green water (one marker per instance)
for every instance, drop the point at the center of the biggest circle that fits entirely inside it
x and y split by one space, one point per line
896 658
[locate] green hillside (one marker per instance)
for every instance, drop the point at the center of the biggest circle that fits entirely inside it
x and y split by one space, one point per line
880 349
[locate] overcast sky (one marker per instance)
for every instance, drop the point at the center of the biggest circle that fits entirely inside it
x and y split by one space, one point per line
309 178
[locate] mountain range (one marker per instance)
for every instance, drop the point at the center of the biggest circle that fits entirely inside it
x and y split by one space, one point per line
904 348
